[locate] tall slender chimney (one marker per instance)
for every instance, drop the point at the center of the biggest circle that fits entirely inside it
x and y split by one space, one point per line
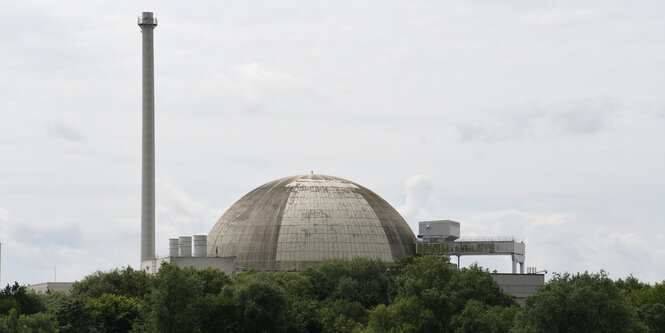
148 24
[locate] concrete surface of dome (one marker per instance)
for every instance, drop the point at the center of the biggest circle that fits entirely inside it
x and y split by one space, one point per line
297 221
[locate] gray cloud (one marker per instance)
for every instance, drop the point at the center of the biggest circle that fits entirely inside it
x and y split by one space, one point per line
561 243
537 121
54 233
4 220
179 214
65 131
661 112
580 117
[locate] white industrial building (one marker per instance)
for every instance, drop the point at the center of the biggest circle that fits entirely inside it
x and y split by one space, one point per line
442 237
180 253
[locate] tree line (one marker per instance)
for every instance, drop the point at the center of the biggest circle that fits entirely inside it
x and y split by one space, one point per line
421 294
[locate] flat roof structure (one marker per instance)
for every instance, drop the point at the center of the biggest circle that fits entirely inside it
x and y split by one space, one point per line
442 237
43 288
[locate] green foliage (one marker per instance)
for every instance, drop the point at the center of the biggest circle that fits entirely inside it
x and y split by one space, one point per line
296 284
21 323
631 285
172 299
216 313
406 314
52 300
7 304
72 315
421 294
577 303
430 292
19 298
303 315
653 316
476 283
341 315
650 295
479 317
394 270
302 307
649 301
359 280
126 282
113 313
211 280
262 306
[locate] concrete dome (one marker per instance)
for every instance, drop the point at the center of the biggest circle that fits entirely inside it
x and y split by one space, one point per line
297 221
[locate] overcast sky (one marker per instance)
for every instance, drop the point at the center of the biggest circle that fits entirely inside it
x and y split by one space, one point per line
543 120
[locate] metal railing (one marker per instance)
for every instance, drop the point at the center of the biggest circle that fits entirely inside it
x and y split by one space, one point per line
490 239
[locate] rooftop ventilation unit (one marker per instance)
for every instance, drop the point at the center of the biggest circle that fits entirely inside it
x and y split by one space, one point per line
440 230
200 245
185 246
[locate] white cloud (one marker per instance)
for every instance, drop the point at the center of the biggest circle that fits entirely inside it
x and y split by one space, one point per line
258 88
562 243
180 215
67 246
420 201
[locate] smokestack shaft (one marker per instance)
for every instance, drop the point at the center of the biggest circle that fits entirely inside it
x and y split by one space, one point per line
148 24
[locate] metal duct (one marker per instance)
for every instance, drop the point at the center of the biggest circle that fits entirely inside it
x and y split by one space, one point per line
200 245
185 246
173 247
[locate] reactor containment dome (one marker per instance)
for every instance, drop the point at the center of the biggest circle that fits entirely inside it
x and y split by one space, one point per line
294 222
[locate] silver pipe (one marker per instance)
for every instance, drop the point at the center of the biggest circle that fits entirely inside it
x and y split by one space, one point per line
200 245
185 246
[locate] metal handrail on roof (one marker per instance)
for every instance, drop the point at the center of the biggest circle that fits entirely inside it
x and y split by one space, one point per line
490 239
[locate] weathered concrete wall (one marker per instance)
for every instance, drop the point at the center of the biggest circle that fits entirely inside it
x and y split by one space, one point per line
519 285
294 222
225 264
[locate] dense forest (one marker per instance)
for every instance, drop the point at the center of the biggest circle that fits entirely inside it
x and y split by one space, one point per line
423 294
